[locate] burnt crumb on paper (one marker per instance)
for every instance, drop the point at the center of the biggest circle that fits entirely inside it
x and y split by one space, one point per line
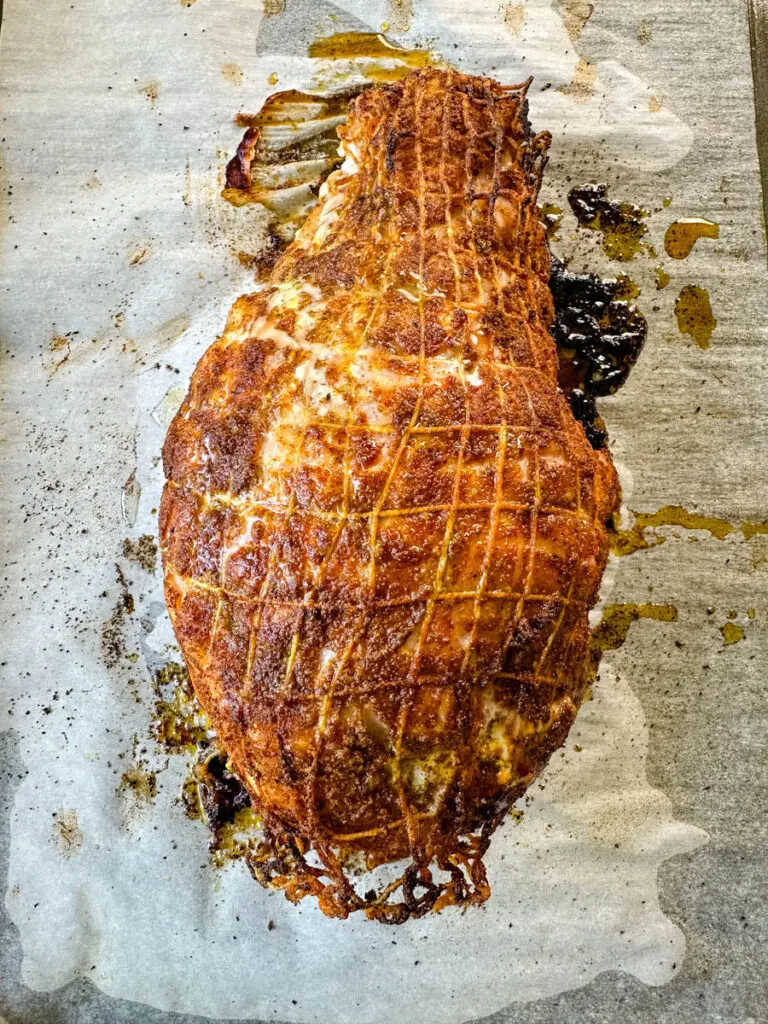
220 792
113 648
143 552
151 92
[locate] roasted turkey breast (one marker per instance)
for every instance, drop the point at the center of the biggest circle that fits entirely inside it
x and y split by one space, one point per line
383 528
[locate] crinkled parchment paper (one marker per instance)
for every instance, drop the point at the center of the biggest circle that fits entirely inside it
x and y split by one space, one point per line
120 263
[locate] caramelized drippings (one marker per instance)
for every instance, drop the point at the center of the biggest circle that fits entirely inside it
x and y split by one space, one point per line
620 224
179 725
599 337
682 235
551 217
627 542
354 45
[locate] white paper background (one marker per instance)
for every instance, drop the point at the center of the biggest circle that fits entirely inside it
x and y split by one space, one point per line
99 173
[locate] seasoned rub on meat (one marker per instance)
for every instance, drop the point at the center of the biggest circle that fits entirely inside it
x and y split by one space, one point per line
383 529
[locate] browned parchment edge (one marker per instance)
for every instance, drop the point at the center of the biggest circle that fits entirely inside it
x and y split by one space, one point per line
758 45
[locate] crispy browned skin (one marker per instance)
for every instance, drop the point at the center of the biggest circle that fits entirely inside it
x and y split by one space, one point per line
383 529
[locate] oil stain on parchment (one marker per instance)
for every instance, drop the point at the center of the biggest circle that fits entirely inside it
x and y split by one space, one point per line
611 632
211 791
384 61
551 216
627 542
645 31
67 834
514 19
232 73
662 279
137 788
582 86
575 15
179 724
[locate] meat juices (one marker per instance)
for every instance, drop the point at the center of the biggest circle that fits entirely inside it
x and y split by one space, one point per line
383 528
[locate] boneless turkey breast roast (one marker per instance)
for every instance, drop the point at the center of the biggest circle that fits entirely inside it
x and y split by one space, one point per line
383 528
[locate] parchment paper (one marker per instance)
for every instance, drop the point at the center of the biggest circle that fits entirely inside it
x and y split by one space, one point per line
120 262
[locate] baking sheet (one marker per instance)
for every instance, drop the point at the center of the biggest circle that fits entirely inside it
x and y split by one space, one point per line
125 269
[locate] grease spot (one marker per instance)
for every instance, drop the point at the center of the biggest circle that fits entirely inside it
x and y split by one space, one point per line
164 412
551 217
682 235
612 630
626 542
582 85
151 91
179 723
732 634
232 73
655 104
354 45
514 19
67 834
139 255
575 15
645 31
139 781
130 494
694 314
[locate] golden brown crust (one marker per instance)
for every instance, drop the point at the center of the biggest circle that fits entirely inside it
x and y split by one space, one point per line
383 528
